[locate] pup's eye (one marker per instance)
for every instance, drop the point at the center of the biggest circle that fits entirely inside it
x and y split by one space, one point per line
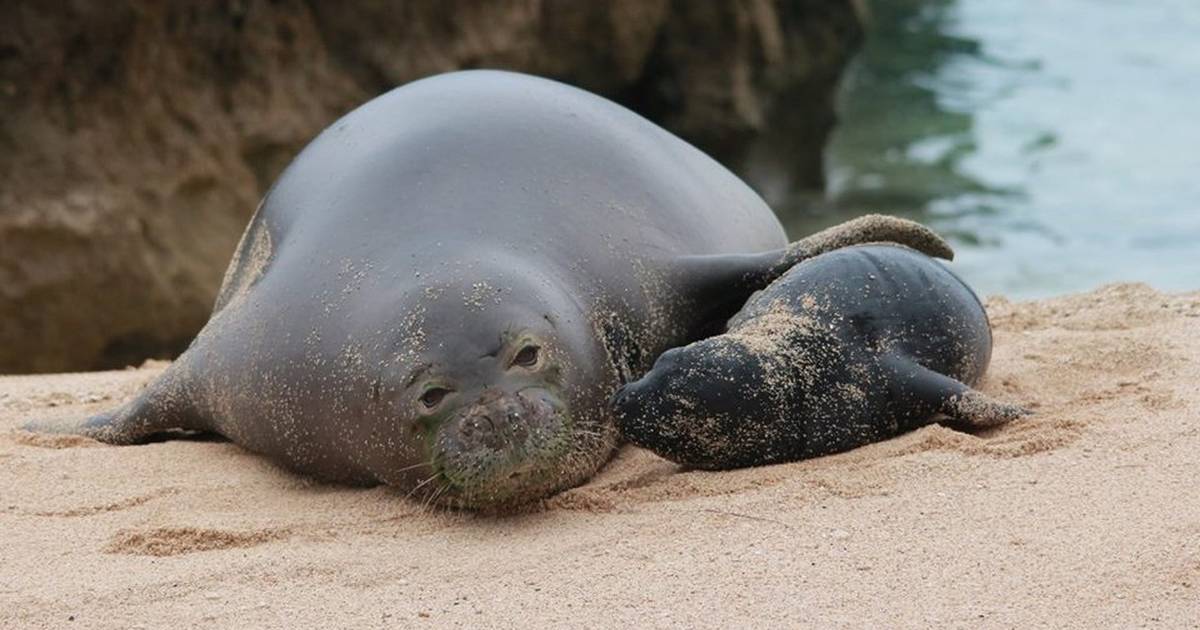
433 396
527 357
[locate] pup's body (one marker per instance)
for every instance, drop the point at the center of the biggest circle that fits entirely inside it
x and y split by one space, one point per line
848 348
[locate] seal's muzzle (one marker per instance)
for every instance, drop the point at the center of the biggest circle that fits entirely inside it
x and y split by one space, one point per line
493 448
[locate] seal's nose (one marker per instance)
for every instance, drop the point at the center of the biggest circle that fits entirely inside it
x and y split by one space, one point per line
621 396
495 422
490 395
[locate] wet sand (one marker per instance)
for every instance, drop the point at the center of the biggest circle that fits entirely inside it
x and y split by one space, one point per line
1086 514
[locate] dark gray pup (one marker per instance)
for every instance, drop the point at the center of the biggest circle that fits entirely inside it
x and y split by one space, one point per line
444 289
847 348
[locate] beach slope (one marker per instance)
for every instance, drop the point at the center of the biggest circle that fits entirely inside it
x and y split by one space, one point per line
1086 514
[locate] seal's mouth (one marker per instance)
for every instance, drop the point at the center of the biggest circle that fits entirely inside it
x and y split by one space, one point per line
503 452
626 402
640 407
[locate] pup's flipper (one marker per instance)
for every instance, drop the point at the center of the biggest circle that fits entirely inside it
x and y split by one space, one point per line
950 397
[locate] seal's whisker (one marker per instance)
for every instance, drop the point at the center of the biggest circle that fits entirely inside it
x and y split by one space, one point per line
408 468
420 485
444 492
427 504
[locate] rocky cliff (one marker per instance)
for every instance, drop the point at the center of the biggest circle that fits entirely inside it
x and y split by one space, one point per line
136 138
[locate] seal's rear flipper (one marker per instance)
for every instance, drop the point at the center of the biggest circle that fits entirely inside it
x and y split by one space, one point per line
980 410
161 407
950 397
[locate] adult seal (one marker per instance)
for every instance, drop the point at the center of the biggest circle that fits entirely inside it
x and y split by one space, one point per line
847 348
444 289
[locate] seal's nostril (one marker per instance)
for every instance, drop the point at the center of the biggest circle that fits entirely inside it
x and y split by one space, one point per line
622 394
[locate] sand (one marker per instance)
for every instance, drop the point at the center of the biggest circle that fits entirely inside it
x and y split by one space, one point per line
1086 514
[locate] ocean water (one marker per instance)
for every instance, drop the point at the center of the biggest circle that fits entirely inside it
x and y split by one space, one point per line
1056 143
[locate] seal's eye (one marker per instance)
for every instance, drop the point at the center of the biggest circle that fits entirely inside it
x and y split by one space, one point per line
527 357
433 396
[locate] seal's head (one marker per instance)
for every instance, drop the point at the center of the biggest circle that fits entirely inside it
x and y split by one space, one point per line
500 392
699 404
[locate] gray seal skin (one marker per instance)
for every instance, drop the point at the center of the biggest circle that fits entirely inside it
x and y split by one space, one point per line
444 289
847 348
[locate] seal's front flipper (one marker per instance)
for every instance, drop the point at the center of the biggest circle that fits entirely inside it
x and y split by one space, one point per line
161 407
750 272
721 284
950 397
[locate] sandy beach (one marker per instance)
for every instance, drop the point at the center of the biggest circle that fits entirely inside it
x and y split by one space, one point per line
1085 514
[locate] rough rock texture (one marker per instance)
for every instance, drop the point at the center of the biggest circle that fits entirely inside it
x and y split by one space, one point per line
136 138
753 84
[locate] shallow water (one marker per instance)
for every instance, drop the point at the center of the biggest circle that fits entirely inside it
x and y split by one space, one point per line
1057 143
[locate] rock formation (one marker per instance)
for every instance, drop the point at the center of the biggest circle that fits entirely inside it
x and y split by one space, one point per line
136 138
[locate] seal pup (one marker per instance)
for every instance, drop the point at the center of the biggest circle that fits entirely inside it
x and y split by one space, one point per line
444 289
847 348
